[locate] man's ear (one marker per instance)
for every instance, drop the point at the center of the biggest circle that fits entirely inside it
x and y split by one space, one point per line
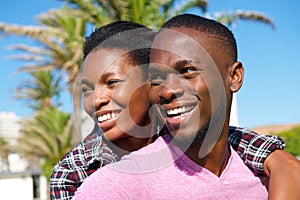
237 76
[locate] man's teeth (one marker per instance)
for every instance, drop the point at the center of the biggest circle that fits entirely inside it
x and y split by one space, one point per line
179 110
107 116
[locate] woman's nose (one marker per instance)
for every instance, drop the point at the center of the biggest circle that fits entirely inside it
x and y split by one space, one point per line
101 97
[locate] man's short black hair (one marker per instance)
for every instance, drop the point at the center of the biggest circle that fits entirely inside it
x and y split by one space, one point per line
207 26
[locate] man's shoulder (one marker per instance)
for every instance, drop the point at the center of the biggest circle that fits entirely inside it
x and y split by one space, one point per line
148 159
158 144
236 166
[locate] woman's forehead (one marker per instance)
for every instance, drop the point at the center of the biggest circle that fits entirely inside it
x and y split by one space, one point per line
105 58
103 63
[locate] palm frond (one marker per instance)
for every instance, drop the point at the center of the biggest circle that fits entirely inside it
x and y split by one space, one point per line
232 18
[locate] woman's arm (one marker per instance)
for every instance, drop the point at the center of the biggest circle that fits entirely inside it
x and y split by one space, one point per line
253 148
79 163
283 169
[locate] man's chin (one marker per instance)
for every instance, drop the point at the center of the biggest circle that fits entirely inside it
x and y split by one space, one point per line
184 138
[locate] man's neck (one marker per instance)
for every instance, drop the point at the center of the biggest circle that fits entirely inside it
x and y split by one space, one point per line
216 160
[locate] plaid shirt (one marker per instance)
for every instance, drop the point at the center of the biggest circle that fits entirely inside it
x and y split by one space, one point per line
79 163
92 153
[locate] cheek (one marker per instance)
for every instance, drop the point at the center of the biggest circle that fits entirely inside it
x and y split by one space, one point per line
203 93
139 102
88 106
154 95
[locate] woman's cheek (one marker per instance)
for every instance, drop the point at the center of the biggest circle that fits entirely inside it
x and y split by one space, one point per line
153 95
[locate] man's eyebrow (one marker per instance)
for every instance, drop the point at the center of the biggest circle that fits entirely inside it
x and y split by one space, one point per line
182 63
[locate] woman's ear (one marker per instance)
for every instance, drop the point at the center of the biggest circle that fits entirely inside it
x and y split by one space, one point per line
237 76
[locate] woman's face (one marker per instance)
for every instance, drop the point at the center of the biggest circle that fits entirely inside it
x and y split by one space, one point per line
116 97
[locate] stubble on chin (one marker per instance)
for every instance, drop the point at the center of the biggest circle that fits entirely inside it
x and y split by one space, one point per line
184 142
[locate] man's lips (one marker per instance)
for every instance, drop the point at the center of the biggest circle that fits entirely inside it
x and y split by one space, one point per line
179 110
179 115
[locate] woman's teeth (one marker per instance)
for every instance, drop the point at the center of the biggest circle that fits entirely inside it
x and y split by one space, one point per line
107 116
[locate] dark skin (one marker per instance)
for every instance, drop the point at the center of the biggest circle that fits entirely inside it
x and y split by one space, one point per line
110 92
284 172
273 165
176 73
187 82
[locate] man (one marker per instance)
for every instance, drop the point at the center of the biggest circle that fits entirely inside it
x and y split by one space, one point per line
194 71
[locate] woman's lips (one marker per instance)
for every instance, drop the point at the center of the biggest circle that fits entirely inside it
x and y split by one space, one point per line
107 119
107 116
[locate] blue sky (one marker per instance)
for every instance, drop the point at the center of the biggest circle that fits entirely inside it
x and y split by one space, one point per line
271 90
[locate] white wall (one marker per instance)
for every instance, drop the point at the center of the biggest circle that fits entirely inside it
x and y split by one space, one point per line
19 186
234 120
16 188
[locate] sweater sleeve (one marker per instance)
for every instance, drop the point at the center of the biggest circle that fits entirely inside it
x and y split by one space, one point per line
253 148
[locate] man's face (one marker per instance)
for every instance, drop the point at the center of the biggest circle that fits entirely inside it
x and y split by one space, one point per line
115 95
186 84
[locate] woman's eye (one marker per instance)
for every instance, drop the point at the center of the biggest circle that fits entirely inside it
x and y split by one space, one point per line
156 80
86 90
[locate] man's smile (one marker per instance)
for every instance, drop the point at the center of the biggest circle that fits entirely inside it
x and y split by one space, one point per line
179 110
178 115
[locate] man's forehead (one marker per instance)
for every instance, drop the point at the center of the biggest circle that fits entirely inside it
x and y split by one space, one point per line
178 42
169 36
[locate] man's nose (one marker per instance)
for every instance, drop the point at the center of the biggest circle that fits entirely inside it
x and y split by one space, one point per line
172 88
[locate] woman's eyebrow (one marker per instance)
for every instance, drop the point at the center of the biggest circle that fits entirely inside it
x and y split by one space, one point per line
153 70
86 82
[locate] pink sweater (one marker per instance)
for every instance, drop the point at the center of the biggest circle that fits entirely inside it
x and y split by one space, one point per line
152 173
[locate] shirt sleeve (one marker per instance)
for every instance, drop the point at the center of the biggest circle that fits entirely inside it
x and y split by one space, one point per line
80 162
253 148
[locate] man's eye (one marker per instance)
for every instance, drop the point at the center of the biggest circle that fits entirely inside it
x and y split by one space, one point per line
113 82
189 72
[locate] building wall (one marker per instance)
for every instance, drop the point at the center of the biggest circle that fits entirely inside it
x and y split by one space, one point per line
19 186
234 118
15 182
10 130
9 126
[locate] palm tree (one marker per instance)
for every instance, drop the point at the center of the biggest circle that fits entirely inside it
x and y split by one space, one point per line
41 91
48 136
154 13
60 37
4 152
